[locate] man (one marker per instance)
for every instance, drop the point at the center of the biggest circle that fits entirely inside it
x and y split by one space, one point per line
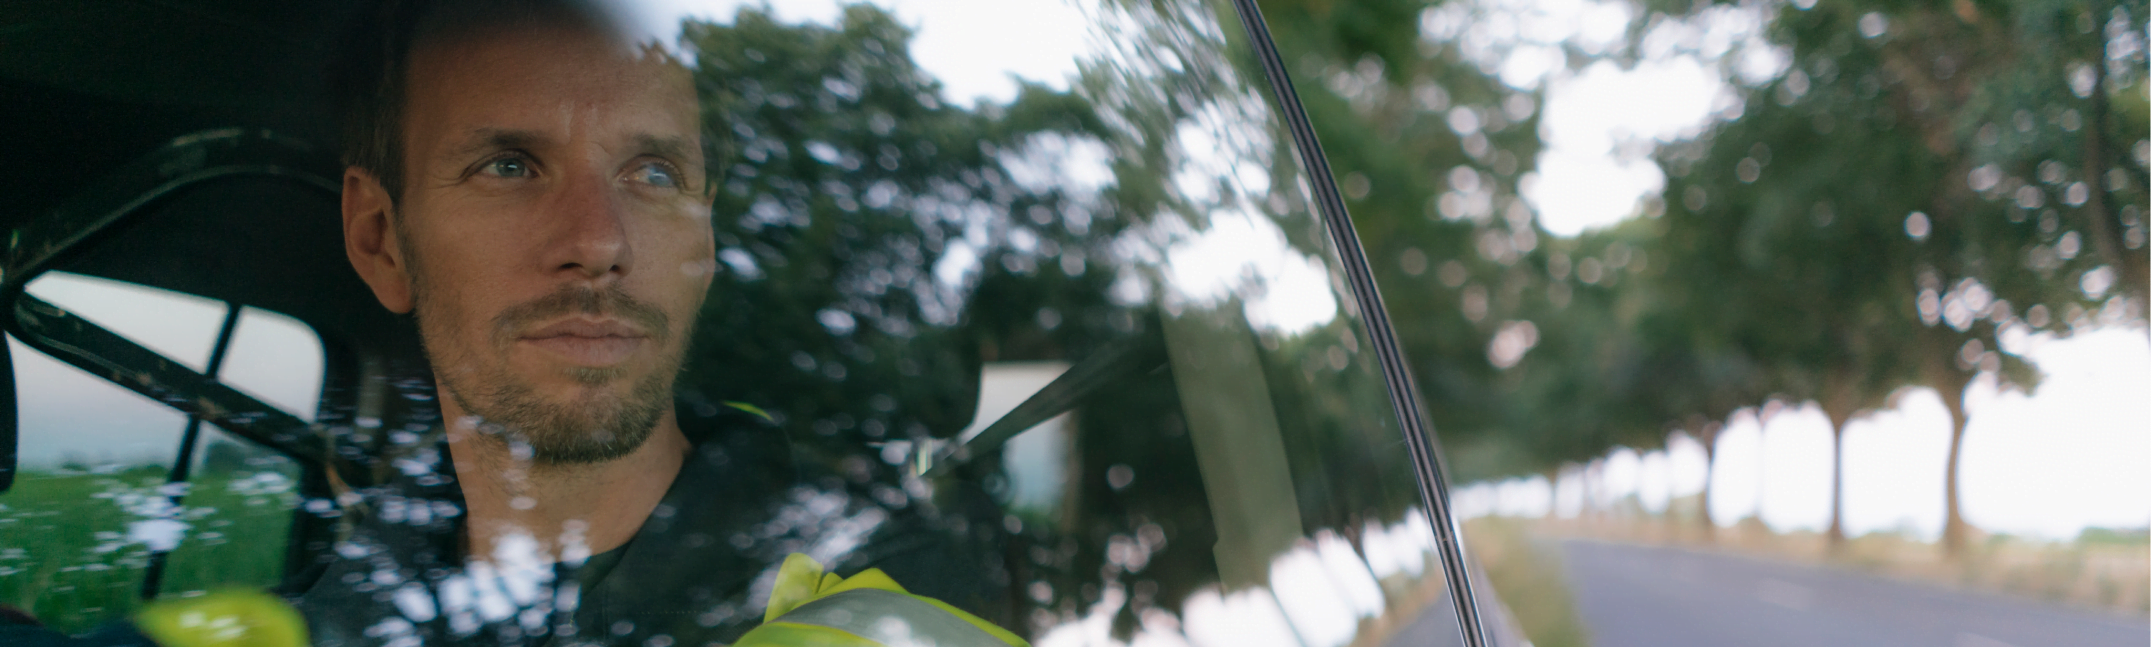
537 201
531 187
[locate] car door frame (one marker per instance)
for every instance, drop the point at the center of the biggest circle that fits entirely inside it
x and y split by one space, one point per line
1419 435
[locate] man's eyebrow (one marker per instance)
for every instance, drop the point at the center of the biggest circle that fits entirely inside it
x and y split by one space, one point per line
486 140
669 146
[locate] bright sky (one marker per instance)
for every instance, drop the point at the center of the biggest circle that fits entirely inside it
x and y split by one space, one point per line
973 46
1600 123
2075 453
65 412
979 48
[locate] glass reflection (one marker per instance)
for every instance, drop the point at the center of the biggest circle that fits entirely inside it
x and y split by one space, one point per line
1073 358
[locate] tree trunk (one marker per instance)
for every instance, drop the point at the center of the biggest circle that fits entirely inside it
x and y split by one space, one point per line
1708 434
1554 479
1835 537
1950 383
1589 510
1594 491
2105 228
1954 529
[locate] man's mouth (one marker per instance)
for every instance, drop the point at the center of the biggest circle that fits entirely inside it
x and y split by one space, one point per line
588 342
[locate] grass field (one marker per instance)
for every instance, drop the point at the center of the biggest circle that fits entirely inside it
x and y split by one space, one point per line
75 543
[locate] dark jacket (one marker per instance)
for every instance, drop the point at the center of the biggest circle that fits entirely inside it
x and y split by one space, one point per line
696 573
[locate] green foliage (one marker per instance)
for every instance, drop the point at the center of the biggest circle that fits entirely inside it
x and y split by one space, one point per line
2114 536
82 571
1436 208
847 181
878 243
1924 181
1892 208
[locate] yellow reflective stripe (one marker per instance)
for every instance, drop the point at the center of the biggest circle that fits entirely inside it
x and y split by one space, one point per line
236 618
799 580
872 578
786 634
892 618
765 415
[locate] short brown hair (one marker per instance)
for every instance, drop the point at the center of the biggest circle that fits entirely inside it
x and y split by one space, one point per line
368 81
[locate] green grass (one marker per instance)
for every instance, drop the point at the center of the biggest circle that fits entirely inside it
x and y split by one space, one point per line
66 557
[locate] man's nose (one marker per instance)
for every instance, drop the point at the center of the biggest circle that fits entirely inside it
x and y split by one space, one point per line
590 229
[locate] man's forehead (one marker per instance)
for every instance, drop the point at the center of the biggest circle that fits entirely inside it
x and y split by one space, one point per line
529 82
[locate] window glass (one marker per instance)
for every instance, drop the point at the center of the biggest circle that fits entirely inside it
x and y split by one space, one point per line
240 498
87 506
177 325
277 359
1180 432
95 500
1025 306
1037 459
88 424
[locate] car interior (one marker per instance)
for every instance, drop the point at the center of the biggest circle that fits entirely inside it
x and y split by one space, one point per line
162 156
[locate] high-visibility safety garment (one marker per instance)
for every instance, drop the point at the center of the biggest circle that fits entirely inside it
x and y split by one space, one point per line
808 608
812 608
236 618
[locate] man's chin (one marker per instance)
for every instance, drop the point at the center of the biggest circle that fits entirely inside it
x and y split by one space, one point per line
587 449
574 423
582 436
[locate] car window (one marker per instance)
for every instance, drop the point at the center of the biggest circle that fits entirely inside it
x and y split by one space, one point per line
238 511
98 508
1029 308
1181 431
88 449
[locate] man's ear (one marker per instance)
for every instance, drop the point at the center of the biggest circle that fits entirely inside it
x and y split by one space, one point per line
370 240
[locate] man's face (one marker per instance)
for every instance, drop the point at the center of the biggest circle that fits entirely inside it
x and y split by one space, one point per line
556 233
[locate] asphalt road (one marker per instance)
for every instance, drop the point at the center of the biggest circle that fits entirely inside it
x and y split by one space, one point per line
1665 597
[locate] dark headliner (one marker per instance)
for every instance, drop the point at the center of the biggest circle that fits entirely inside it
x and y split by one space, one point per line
91 86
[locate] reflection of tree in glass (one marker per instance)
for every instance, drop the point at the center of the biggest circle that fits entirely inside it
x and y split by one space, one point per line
1193 143
855 214
876 244
874 250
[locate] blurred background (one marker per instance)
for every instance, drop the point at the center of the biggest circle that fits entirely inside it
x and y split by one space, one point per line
1806 322
1858 285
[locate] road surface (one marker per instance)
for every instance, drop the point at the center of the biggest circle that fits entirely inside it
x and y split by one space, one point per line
1638 596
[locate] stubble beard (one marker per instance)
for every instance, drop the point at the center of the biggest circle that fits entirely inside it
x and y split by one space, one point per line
601 426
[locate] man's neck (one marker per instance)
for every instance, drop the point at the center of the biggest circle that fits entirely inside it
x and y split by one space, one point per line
567 510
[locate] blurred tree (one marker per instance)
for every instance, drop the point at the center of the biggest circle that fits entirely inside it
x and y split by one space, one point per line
1676 371
2068 77
1427 150
876 241
868 262
856 212
1775 268
1863 198
1921 189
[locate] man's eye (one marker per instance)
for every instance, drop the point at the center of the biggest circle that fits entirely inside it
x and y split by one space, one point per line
508 167
658 175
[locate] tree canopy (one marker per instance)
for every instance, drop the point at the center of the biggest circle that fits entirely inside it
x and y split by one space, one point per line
1915 191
